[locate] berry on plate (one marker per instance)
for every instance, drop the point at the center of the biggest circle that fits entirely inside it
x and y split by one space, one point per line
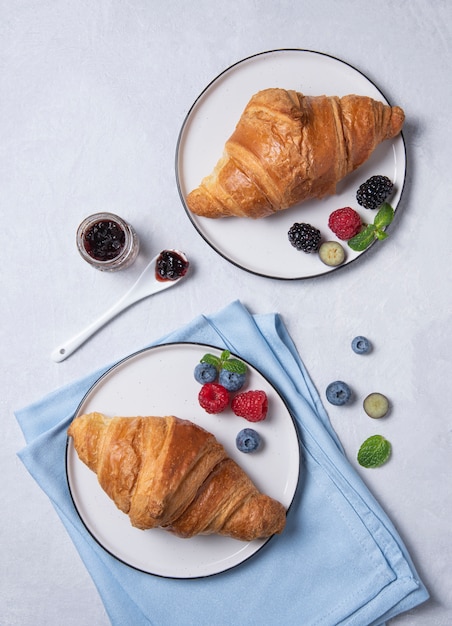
248 440
332 253
372 193
213 398
233 381
345 223
338 393
205 373
304 237
252 405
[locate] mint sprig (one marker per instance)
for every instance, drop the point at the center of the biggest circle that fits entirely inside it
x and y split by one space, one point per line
383 218
224 361
362 240
374 451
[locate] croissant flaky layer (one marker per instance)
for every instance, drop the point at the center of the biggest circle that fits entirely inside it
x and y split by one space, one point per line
288 148
170 473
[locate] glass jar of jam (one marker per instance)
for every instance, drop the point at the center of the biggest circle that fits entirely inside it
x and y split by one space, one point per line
107 242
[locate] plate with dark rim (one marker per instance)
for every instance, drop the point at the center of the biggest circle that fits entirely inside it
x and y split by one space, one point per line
159 381
261 246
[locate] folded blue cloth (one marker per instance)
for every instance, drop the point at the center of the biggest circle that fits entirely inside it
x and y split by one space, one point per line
339 560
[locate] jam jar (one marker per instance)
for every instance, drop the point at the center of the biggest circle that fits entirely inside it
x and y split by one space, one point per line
107 242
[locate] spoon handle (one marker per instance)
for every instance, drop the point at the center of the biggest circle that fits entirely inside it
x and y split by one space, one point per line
66 349
146 285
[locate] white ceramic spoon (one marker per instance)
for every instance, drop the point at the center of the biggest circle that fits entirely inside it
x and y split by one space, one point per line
146 285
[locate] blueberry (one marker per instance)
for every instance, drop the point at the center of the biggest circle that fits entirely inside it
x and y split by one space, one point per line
338 393
231 380
361 345
248 440
205 373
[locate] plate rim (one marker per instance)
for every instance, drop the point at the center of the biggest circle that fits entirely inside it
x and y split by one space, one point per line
180 137
68 448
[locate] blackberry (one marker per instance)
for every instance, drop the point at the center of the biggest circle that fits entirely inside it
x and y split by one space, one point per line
304 237
374 192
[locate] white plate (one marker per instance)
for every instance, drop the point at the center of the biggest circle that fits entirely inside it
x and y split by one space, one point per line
159 381
261 246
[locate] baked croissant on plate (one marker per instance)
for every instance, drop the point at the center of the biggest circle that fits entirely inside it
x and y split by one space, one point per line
288 148
170 473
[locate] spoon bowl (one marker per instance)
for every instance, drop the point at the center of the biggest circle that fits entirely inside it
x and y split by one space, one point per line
148 283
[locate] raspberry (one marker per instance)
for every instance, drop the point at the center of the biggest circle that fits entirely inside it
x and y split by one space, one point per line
213 398
252 405
304 237
345 223
372 193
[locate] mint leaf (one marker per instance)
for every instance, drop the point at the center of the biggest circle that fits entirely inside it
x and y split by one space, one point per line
362 240
234 365
384 216
225 362
211 359
374 451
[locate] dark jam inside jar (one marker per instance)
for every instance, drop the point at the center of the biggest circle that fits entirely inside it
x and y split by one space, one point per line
104 240
107 242
171 265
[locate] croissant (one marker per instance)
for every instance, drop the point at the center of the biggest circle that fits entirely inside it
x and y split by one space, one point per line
288 148
170 473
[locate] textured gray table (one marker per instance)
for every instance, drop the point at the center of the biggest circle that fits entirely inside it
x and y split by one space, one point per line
93 98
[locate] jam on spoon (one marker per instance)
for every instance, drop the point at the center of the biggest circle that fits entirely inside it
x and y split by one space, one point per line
171 265
107 242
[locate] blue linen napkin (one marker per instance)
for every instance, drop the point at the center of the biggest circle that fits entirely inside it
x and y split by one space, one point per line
339 560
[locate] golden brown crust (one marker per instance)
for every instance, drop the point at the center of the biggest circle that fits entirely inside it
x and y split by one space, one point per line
288 148
168 472
242 513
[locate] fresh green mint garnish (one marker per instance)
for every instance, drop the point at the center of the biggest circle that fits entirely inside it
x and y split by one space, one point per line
224 361
383 218
362 240
374 451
